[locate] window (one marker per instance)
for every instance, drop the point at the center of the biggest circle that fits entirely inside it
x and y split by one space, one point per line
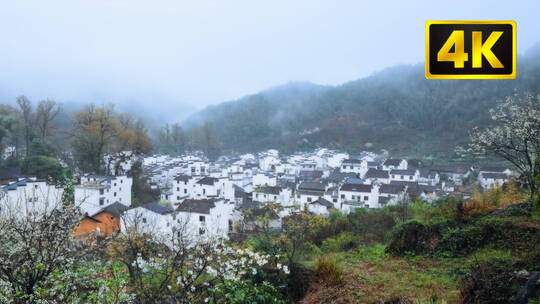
343 196
201 231
121 181
230 225
115 194
410 177
178 197
185 190
101 201
275 197
177 188
309 199
402 177
115 184
101 191
144 220
203 191
365 198
350 167
334 200
202 218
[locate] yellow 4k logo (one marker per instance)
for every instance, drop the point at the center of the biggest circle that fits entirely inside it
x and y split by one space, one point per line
457 39
470 49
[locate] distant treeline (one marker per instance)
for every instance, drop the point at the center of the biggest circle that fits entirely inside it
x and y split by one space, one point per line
396 109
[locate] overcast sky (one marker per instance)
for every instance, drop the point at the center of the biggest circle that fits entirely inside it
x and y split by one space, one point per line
179 56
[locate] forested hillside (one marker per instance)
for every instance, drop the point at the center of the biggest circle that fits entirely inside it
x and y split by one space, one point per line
397 109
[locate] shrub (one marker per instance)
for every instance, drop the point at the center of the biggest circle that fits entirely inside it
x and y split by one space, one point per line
343 241
413 237
244 292
489 282
328 272
372 224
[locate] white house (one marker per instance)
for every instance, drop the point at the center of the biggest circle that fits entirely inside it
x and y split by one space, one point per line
358 195
30 195
309 192
151 218
428 177
392 193
98 191
375 176
320 206
182 187
206 218
354 166
281 195
409 175
489 180
264 179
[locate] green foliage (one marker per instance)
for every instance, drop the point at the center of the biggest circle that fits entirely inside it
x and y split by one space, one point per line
372 224
411 237
43 167
140 189
343 241
240 292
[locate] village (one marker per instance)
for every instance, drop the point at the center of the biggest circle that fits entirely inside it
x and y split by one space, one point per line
211 198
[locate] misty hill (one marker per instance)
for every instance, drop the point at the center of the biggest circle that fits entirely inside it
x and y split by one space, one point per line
396 109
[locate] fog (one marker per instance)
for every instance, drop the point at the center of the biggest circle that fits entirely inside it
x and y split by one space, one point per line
168 59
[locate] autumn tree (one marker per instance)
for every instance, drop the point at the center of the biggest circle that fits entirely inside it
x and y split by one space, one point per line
515 136
94 129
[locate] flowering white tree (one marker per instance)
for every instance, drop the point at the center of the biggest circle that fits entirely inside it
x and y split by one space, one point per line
515 136
33 244
182 268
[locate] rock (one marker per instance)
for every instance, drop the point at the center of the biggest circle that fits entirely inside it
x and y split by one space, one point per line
529 290
523 273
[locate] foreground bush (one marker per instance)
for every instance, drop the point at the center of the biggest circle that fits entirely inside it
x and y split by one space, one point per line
328 271
412 237
239 292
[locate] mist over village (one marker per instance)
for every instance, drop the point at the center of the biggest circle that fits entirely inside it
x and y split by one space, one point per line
235 152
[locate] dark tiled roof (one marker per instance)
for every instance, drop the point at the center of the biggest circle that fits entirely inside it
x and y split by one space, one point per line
157 208
208 181
182 178
323 202
269 190
10 172
391 189
495 175
115 209
392 162
312 186
494 169
337 177
196 206
374 173
452 168
356 188
351 161
403 172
